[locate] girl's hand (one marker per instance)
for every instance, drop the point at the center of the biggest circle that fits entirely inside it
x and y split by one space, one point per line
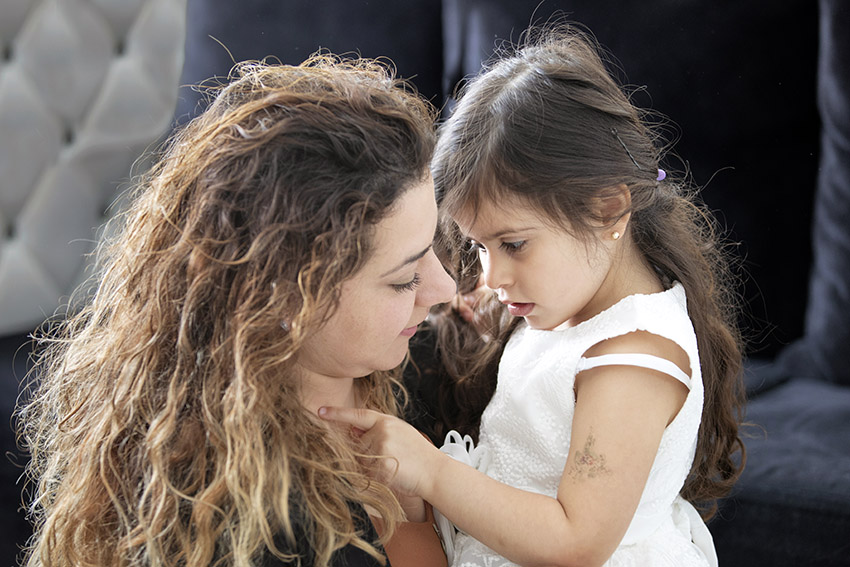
404 458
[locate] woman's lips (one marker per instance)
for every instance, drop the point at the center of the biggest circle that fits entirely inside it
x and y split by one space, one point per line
520 309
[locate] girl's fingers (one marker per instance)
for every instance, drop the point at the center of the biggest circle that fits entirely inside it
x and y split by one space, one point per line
360 419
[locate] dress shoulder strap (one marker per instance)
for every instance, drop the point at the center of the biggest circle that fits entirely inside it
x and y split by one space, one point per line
649 361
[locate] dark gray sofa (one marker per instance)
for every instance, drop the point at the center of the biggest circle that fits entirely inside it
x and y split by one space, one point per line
792 504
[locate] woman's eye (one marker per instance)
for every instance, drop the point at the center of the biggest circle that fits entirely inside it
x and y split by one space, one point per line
511 247
409 286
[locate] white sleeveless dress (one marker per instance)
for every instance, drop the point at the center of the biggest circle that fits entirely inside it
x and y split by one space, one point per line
525 432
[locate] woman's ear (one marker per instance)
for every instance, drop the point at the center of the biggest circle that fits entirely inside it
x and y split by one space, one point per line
613 209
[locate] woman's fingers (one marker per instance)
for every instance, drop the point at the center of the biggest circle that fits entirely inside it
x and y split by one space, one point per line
464 305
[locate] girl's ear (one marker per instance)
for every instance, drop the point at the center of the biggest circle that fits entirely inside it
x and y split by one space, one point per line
613 209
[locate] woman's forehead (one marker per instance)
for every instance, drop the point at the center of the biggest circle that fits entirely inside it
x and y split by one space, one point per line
403 236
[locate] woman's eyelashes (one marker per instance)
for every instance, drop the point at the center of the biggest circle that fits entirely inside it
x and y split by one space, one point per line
409 286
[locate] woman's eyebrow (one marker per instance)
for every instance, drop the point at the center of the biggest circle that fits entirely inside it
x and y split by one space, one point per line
409 260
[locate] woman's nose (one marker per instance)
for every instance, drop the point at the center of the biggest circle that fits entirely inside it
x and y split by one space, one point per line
437 286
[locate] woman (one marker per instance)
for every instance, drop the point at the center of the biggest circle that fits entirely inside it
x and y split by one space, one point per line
277 258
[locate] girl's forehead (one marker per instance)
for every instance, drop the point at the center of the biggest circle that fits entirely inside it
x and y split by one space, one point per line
490 218
509 215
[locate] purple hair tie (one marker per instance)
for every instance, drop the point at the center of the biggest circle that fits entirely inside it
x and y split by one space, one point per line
662 175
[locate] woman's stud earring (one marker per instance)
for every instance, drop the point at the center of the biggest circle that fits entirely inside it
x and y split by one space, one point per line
615 235
284 325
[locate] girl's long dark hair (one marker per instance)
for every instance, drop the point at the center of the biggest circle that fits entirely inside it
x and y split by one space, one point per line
549 125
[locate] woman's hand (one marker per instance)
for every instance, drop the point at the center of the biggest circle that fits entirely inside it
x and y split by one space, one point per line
465 303
404 458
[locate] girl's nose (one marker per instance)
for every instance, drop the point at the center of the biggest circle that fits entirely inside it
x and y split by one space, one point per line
437 285
495 274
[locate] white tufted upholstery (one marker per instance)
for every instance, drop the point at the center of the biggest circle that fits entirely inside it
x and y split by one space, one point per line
85 87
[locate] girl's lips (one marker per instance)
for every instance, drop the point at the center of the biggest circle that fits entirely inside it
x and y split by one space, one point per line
520 309
410 331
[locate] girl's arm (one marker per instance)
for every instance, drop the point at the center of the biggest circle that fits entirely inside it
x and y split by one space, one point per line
621 413
414 508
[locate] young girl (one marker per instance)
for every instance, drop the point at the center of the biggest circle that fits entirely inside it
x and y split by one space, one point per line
617 400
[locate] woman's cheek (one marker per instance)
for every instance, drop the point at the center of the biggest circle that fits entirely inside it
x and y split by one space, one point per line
398 314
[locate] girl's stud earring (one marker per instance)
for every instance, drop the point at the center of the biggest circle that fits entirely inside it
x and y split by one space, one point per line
615 235
284 325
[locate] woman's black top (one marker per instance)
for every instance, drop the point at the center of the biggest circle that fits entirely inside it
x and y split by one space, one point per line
348 556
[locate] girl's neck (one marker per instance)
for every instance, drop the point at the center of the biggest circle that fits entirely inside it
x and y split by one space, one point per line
630 274
635 275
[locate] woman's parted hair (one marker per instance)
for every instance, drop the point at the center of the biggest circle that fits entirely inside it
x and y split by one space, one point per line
164 423
550 126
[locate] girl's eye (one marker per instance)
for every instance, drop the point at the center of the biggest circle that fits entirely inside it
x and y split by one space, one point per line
512 247
409 286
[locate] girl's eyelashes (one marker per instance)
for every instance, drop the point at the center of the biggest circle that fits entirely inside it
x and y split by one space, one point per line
509 247
512 247
409 286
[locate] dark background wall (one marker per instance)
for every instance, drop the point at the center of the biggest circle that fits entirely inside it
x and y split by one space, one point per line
736 80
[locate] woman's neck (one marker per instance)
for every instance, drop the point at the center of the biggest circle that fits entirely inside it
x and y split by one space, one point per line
339 392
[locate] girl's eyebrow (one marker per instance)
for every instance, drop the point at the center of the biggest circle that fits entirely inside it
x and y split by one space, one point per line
509 230
409 260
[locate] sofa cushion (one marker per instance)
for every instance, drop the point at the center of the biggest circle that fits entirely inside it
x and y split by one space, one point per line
85 87
793 492
805 436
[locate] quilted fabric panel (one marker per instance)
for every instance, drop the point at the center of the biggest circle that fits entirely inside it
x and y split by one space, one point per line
86 86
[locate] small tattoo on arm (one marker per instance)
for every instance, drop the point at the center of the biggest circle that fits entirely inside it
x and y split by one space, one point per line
588 463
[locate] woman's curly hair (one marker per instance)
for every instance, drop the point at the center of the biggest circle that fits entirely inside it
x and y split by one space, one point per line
164 419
